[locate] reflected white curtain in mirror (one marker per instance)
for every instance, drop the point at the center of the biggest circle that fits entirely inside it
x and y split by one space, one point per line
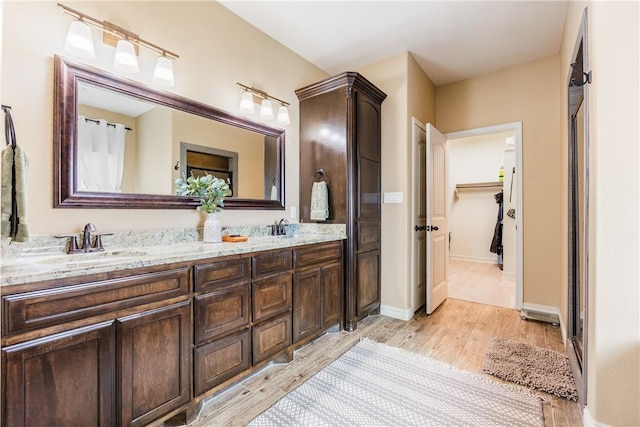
100 155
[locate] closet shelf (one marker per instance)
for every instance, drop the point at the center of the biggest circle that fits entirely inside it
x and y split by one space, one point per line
473 185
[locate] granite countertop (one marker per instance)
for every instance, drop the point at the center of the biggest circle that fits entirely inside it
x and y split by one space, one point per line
34 266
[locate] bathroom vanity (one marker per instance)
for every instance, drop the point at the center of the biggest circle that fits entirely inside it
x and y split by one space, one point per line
144 335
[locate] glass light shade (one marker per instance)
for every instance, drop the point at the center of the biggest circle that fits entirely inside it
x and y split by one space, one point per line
125 59
163 73
266 110
283 115
246 103
79 40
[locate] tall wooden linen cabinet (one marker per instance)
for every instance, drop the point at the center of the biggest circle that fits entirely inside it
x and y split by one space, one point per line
340 143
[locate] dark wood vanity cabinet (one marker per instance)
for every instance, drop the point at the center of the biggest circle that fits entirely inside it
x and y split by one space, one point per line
317 290
242 315
222 321
96 351
136 347
340 134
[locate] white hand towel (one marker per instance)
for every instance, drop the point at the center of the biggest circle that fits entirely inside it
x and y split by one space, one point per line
274 192
319 202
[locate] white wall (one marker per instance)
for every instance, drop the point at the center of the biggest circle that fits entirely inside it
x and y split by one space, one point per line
614 288
473 213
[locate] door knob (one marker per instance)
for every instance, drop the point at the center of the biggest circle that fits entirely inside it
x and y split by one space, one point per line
420 227
434 228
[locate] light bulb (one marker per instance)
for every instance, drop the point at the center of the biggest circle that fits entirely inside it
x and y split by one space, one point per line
163 73
283 115
266 110
125 59
79 40
246 103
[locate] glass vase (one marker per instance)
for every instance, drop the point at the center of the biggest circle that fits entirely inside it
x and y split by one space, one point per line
212 231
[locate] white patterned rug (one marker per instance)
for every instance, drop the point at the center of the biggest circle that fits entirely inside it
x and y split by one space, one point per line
373 384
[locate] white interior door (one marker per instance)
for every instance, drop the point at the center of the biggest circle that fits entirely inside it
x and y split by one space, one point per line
419 212
437 227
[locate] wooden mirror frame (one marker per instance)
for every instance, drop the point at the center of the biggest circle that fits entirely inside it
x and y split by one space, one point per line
67 76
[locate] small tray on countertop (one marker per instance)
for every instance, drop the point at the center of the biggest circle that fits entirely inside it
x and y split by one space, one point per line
234 238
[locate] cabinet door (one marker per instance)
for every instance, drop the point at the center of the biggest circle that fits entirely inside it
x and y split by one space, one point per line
65 379
331 295
307 306
367 281
154 356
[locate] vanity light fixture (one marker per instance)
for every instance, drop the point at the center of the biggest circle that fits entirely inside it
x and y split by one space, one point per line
163 73
283 115
266 110
80 43
79 40
247 105
126 59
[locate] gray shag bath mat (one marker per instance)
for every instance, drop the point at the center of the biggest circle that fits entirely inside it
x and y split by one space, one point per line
531 366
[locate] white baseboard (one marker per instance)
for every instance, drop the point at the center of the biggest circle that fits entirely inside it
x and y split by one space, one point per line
509 276
396 313
588 421
473 259
563 330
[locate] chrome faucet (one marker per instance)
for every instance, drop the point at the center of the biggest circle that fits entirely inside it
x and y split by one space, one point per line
281 228
86 241
86 237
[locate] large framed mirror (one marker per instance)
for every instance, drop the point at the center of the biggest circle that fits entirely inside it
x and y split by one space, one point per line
121 144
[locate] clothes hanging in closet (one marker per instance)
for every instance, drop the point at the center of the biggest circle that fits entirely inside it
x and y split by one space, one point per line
496 242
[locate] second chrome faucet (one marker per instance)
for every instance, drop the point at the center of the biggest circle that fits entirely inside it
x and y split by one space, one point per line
86 240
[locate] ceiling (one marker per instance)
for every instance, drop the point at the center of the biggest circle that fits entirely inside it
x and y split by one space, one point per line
450 40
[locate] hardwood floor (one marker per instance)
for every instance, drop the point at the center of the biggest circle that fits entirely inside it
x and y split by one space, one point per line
457 333
482 283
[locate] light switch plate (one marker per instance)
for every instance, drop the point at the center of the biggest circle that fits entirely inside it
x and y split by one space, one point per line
395 197
293 213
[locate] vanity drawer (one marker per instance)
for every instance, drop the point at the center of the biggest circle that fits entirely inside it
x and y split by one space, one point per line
221 312
317 254
270 337
271 296
219 273
48 307
221 360
271 262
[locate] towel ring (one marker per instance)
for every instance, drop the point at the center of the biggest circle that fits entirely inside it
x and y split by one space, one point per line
321 174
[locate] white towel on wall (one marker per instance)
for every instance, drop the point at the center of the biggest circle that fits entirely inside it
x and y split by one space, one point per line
319 201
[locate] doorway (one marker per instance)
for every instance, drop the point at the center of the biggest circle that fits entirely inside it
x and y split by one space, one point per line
481 234
514 182
486 215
